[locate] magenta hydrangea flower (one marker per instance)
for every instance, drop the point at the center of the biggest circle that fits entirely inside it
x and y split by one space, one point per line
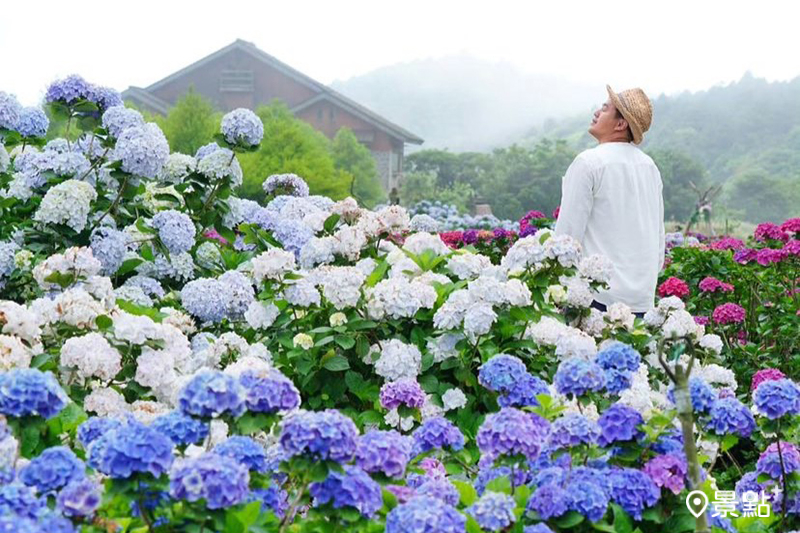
791 226
767 256
765 374
710 284
727 243
728 313
792 247
674 287
744 255
770 231
701 320
668 471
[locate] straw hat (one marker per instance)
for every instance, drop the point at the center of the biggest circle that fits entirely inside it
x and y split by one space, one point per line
636 108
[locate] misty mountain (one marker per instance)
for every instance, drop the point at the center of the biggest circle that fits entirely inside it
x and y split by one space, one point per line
464 103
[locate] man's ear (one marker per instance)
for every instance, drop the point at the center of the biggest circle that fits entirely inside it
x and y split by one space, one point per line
622 125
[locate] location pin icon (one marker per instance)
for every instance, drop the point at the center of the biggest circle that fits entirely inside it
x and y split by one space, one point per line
696 502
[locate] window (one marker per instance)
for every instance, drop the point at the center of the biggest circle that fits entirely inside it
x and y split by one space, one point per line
236 81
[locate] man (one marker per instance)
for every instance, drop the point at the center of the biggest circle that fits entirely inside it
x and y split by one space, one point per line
611 201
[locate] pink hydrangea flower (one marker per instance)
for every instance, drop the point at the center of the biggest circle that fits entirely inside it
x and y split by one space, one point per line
702 320
710 284
728 313
765 374
768 230
213 234
767 256
674 287
792 247
727 243
556 211
791 226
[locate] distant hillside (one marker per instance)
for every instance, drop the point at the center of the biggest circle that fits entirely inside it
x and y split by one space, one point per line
462 103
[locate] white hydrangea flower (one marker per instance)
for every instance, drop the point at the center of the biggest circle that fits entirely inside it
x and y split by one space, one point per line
418 243
13 353
20 321
337 319
563 248
679 324
451 314
718 376
177 167
402 266
655 317
546 331
67 203
711 342
393 419
556 294
146 411
154 368
105 402
272 264
430 409
229 346
671 303
9 446
394 219
596 267
466 265
317 251
527 252
179 319
135 329
478 320
595 323
302 293
78 263
78 308
347 209
260 315
444 346
575 343
453 399
366 265
431 278
398 360
258 365
399 298
370 223
341 286
349 241
579 293
620 315
91 355
303 340
487 290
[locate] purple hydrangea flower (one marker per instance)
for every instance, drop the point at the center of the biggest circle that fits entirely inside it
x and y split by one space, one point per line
494 511
68 90
501 372
245 450
273 498
437 432
405 391
511 432
143 150
777 398
181 428
286 184
523 392
31 392
619 356
668 471
577 376
730 416
292 234
212 393
387 452
770 461
351 488
220 481
537 528
549 501
242 126
322 434
748 482
439 488
79 498
620 423
573 429
32 122
588 499
427 515
702 394
269 393
109 247
633 490
129 449
10 110
119 118
52 469
175 229
207 299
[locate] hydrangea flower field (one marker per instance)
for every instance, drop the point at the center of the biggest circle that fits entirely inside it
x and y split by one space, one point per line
176 358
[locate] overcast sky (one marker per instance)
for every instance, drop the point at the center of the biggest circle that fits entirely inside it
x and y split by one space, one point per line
662 46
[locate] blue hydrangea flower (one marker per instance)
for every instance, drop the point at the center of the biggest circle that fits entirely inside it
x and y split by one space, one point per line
523 393
286 184
619 356
702 394
241 291
351 488
94 428
322 434
129 449
175 229
207 299
588 499
220 481
501 372
493 511
181 428
32 122
511 432
549 501
730 416
245 450
770 462
109 247
242 126
517 476
150 286
16 524
20 500
119 118
425 515
619 423
10 110
387 452
777 398
79 498
53 522
436 432
540 527
269 394
748 482
439 488
52 469
618 380
31 392
573 429
669 442
577 377
633 490
273 498
292 234
212 393
143 150
68 90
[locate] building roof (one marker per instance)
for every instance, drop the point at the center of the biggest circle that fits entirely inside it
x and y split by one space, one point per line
323 92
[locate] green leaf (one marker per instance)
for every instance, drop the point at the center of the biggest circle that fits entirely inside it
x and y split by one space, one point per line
500 484
319 472
466 491
103 322
330 223
337 363
569 520
472 526
622 522
128 266
345 341
378 273
728 442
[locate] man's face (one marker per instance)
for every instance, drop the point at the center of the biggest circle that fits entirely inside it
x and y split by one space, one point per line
605 121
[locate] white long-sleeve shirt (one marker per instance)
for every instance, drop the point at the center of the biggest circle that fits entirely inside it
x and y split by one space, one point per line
611 202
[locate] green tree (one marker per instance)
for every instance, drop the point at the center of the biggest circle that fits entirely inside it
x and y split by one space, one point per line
190 123
352 157
292 146
678 171
764 198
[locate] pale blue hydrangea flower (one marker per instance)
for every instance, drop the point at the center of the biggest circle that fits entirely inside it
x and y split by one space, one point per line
10 110
68 90
7 252
134 295
151 287
109 247
5 160
143 150
494 511
176 230
32 122
207 299
241 293
219 164
242 126
119 118
285 184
